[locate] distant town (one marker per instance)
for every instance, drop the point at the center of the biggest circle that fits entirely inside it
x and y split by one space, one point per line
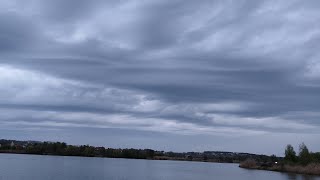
63 149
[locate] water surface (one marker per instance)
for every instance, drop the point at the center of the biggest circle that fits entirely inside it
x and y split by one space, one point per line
34 167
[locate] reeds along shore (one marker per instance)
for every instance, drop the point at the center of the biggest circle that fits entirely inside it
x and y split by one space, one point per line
305 163
310 169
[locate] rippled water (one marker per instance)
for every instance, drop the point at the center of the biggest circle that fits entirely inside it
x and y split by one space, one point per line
33 167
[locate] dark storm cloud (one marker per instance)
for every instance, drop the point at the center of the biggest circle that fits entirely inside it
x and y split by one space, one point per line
209 68
67 11
16 33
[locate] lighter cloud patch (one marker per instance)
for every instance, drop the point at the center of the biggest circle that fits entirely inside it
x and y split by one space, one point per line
19 86
195 108
23 86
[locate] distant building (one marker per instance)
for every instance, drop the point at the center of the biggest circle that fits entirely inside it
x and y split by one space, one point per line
12 144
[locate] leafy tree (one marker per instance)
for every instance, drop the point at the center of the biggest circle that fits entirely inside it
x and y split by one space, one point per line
315 157
290 154
304 154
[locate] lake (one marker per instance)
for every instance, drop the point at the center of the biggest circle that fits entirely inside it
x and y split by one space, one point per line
35 167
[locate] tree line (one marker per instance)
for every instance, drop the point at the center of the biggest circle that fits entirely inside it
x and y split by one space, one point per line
304 156
62 149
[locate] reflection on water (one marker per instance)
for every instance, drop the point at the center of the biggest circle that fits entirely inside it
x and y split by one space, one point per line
30 167
292 176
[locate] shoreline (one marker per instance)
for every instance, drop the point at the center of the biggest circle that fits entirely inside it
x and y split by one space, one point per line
63 149
310 169
161 158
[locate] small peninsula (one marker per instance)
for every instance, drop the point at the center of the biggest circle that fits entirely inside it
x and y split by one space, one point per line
304 163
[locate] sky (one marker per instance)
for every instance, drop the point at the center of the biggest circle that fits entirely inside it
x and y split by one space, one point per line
173 75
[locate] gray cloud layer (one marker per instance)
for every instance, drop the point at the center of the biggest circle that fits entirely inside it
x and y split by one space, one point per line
212 71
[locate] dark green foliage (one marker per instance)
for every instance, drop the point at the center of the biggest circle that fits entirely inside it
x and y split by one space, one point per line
61 148
290 154
304 154
315 157
304 158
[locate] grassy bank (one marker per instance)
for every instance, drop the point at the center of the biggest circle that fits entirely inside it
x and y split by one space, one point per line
310 169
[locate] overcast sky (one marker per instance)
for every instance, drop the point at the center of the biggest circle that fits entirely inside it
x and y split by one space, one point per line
164 74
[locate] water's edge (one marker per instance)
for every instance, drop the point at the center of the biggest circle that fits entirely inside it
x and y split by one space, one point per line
151 159
282 169
313 170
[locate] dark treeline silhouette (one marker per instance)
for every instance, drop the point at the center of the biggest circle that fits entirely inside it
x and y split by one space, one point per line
304 156
63 149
